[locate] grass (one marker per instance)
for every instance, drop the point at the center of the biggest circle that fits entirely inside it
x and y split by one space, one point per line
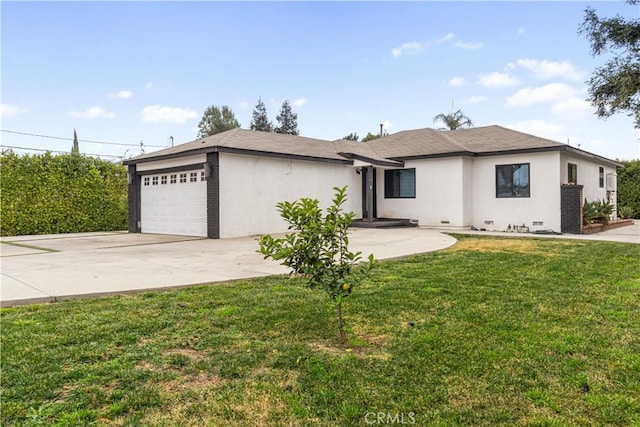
535 332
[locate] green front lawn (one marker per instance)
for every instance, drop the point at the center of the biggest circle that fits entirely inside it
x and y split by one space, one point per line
491 331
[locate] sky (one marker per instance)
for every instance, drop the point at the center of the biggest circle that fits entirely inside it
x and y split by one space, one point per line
122 73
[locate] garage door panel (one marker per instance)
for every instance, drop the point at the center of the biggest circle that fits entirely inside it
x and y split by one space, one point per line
178 208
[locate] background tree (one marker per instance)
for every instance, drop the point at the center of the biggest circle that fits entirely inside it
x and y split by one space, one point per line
287 120
216 120
615 87
318 248
351 137
260 120
75 149
370 136
454 120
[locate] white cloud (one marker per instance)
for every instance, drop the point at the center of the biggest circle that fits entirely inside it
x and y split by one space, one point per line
410 48
158 113
541 128
8 110
149 85
572 107
552 92
497 80
95 112
473 100
449 36
386 125
466 45
456 81
544 69
123 94
522 31
299 102
243 104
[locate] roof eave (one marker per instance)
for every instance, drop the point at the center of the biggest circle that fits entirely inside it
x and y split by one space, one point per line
376 162
241 151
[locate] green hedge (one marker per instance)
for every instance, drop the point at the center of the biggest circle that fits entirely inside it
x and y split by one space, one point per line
629 186
67 193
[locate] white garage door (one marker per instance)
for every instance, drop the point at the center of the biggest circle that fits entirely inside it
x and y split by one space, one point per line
174 203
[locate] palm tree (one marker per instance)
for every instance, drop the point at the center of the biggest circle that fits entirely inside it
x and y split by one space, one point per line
453 121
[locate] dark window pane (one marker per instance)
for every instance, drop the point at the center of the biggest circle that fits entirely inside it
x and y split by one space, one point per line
512 180
400 183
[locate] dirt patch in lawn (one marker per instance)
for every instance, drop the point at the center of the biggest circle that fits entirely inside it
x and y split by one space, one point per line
525 246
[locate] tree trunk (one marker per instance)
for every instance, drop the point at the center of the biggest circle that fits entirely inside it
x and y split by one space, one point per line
343 334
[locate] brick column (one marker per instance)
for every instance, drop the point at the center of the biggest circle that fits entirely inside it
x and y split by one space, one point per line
571 209
213 196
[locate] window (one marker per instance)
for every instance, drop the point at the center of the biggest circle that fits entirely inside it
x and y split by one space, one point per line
163 179
183 177
146 180
193 177
202 177
601 177
154 180
173 179
512 180
400 183
573 174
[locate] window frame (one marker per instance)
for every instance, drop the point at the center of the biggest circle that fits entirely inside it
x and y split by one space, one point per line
183 178
173 178
572 173
146 181
154 180
513 194
193 176
393 191
601 176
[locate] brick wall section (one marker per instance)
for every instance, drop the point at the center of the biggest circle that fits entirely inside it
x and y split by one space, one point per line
213 196
571 209
133 200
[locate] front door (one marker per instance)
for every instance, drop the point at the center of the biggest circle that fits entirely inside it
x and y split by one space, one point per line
365 179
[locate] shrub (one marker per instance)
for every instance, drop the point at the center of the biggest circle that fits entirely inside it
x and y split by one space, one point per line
598 211
66 193
625 212
629 186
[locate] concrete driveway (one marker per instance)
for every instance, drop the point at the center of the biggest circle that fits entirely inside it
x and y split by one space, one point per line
48 268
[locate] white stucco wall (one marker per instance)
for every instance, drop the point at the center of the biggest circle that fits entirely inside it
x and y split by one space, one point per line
588 177
172 163
440 196
543 204
251 186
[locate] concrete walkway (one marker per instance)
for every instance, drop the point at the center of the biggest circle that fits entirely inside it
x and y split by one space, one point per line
627 234
39 269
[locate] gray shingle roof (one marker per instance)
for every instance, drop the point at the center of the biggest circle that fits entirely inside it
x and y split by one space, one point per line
255 141
388 151
427 142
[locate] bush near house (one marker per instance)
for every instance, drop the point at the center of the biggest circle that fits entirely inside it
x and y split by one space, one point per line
629 188
597 211
67 193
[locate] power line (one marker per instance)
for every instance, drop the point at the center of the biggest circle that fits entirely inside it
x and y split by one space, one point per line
59 151
80 140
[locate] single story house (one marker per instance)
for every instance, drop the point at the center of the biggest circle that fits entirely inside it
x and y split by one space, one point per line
227 185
